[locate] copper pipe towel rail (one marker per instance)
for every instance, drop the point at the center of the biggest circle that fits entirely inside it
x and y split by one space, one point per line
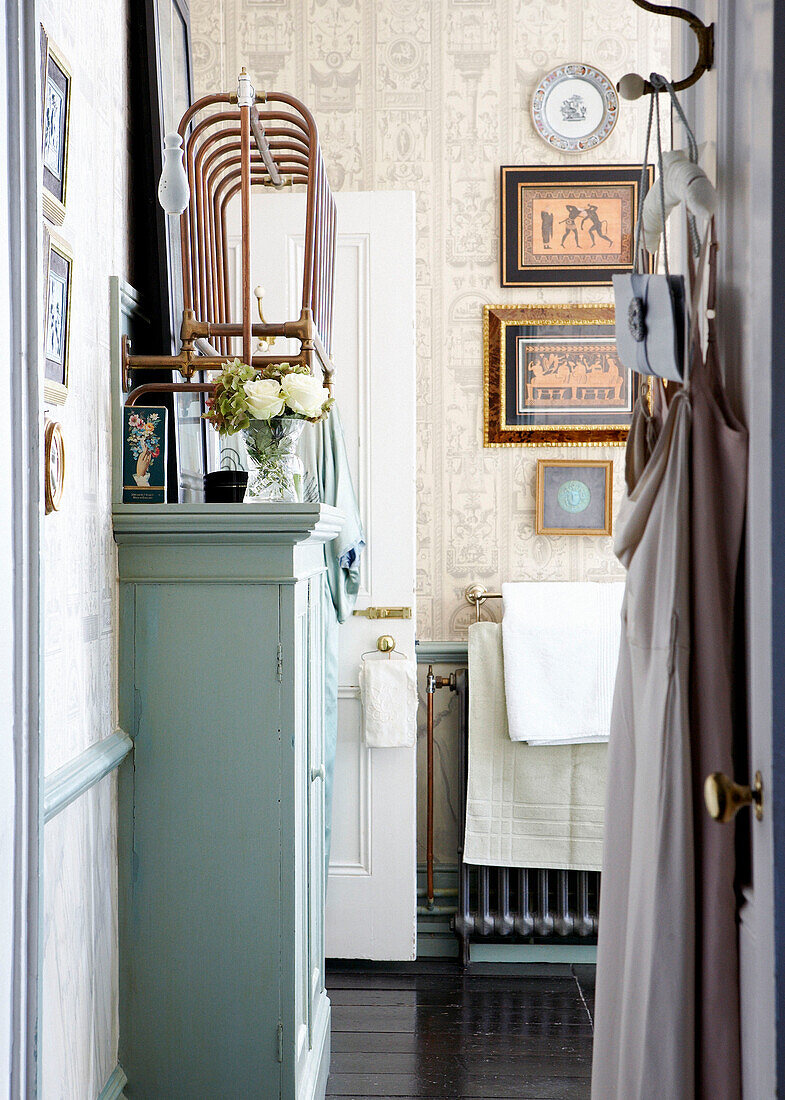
231 145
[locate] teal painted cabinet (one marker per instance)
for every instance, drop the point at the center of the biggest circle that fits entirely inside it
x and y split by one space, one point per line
221 811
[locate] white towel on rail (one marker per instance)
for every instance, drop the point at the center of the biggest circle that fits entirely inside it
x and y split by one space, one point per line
561 648
526 805
388 689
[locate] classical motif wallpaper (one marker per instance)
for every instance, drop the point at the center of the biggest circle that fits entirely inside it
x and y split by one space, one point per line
435 95
79 1016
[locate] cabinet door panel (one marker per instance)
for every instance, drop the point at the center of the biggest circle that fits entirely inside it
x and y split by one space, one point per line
200 984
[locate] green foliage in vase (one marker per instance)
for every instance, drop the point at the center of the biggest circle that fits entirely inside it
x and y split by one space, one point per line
227 408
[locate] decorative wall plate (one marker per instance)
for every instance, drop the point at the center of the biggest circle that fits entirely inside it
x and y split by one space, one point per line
575 108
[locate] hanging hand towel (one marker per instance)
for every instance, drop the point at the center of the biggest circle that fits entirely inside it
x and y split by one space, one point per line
388 689
561 648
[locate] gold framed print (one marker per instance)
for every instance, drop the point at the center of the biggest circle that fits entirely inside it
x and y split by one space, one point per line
574 497
569 225
553 377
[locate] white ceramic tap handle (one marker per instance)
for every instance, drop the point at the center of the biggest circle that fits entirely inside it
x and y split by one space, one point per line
246 94
173 189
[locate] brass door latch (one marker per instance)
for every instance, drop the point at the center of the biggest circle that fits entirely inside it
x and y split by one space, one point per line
724 798
385 612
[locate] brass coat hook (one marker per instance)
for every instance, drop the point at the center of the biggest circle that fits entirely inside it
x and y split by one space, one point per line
633 86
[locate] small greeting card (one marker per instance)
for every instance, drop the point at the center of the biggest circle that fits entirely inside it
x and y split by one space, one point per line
144 455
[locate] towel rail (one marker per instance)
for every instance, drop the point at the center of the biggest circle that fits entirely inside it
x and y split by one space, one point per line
477 594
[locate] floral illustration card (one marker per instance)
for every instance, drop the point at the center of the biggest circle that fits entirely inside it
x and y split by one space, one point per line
144 455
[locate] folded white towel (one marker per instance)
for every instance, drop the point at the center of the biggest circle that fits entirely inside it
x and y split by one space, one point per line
388 689
561 648
526 805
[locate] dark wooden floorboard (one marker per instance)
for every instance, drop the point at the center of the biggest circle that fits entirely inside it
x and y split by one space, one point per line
427 1030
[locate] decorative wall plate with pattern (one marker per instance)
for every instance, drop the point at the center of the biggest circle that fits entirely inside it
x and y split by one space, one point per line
575 108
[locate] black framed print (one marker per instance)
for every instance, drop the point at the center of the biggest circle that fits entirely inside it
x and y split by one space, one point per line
553 377
56 93
57 319
568 225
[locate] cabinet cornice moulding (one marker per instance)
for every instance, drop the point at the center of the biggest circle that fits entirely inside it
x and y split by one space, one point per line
229 523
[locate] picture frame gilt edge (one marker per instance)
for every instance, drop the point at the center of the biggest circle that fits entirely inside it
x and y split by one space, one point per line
539 436
539 497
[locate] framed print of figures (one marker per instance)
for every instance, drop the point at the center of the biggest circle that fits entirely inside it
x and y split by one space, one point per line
552 377
568 226
57 319
574 497
56 93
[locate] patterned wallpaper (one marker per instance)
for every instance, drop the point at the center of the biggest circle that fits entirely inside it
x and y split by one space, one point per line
434 95
79 1026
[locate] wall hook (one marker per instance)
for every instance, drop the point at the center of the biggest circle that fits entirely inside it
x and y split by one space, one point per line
633 86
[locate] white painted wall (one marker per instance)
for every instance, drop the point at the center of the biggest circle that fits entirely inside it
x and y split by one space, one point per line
79 1019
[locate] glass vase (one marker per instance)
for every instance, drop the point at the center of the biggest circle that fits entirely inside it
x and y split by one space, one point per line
275 470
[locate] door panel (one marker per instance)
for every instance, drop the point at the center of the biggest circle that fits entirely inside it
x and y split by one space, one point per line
371 891
743 91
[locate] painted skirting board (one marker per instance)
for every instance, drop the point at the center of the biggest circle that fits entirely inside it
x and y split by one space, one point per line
113 1089
69 782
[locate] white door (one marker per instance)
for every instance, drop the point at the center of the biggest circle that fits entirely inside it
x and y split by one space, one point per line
371 891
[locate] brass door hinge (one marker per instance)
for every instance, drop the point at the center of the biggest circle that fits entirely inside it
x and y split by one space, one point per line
385 612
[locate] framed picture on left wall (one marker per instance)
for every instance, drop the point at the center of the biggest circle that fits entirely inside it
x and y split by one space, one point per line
56 112
58 268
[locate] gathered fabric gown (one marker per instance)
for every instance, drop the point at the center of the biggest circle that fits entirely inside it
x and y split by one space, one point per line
644 1010
667 1010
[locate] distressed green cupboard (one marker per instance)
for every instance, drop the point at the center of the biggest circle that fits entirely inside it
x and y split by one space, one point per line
221 805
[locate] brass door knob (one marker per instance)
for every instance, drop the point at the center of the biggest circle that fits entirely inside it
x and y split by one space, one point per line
724 798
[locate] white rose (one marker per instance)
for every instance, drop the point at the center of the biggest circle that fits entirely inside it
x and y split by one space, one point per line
304 394
263 398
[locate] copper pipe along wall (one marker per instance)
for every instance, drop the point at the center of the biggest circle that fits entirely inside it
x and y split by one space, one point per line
432 682
289 156
167 387
430 688
205 101
245 200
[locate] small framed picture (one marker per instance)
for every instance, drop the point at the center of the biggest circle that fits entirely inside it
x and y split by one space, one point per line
144 454
58 266
568 226
56 109
553 377
574 497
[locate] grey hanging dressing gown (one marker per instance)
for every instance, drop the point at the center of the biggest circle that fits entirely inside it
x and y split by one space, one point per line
644 1017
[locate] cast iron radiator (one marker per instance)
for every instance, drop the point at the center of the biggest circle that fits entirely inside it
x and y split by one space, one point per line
504 904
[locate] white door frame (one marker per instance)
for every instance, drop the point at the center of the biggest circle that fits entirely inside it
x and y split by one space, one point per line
750 100
776 308
21 829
